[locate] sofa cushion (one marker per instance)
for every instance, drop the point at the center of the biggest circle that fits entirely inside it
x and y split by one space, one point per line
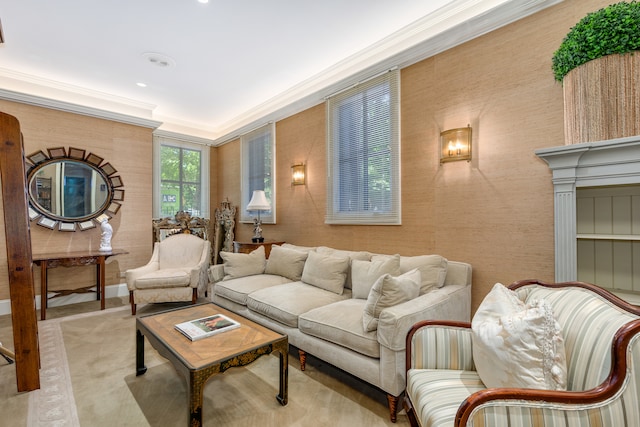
387 292
241 265
286 262
341 323
361 255
523 339
284 303
237 290
167 278
450 386
326 272
433 269
365 273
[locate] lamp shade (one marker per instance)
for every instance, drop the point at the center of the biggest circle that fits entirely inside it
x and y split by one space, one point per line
259 202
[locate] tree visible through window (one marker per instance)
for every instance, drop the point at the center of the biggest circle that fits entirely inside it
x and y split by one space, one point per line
180 180
363 154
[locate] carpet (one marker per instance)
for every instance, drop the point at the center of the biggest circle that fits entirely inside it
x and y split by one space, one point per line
88 379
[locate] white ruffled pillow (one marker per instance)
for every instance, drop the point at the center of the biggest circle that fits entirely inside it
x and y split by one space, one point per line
516 344
240 265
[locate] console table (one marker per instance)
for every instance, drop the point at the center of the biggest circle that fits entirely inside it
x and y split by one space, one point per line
73 259
247 247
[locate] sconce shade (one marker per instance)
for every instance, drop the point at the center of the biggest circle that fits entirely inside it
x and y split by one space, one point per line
258 202
298 174
455 144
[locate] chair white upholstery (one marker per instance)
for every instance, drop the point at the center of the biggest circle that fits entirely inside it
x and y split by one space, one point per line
602 345
177 271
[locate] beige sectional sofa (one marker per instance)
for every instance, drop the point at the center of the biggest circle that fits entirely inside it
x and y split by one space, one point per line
352 309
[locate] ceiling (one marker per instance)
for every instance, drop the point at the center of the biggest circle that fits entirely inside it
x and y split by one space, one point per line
213 69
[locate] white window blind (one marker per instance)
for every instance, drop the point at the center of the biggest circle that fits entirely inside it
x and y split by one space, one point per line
363 148
258 170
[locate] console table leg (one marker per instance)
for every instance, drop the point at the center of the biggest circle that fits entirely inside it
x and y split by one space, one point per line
140 368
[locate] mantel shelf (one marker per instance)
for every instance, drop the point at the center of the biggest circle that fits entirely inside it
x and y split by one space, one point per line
609 236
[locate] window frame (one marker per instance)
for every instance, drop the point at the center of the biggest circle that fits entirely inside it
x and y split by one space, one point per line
247 174
336 102
182 142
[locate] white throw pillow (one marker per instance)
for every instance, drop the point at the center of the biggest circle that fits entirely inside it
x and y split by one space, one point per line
433 269
388 291
326 272
285 262
516 344
240 265
365 273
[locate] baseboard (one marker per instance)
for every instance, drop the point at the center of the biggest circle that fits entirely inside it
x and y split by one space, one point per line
111 291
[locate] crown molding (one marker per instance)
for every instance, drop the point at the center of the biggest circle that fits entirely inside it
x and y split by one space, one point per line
69 107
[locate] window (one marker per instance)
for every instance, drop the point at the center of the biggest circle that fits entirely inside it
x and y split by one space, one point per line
181 177
363 148
258 170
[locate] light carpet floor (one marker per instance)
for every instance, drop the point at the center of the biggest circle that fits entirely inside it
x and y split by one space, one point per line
88 379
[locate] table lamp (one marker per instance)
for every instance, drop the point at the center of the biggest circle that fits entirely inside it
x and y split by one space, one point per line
258 203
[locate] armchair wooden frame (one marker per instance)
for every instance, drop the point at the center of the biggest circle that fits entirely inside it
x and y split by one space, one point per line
607 389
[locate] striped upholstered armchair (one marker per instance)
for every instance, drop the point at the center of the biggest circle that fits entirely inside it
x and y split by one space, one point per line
602 349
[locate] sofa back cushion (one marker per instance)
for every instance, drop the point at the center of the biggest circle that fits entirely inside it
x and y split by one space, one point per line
286 263
326 272
365 273
352 255
241 265
588 323
433 269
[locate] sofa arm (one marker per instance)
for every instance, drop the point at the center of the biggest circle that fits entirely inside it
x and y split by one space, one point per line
216 273
448 303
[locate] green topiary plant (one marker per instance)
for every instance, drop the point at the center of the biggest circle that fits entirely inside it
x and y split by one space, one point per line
613 29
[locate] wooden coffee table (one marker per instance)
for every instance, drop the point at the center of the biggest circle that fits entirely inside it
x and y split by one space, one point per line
200 360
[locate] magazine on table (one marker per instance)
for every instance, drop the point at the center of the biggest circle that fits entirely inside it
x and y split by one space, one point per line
206 326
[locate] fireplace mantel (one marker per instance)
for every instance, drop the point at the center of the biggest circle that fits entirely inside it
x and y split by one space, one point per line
589 164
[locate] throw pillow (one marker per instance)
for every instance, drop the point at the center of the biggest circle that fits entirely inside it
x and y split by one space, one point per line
365 273
433 269
326 272
352 255
517 344
286 263
388 291
298 248
240 265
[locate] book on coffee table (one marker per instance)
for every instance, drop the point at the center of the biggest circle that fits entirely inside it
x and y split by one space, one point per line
206 326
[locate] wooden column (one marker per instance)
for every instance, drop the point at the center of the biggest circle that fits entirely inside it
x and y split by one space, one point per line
18 237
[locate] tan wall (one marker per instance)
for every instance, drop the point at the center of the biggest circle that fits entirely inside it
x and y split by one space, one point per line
128 148
495 212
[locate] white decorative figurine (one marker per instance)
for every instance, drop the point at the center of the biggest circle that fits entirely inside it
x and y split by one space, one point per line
105 237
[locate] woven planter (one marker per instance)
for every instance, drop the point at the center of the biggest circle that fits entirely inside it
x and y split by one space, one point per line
602 99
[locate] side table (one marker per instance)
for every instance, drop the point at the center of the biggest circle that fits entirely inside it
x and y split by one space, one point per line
72 259
247 247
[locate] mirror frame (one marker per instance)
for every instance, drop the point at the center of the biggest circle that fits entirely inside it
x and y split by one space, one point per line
47 219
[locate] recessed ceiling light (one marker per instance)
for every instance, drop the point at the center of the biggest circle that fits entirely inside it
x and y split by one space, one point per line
141 84
203 1
159 59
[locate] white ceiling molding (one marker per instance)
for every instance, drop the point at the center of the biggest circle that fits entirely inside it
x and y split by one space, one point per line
455 24
77 109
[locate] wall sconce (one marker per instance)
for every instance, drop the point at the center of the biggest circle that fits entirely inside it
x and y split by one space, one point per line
298 174
455 144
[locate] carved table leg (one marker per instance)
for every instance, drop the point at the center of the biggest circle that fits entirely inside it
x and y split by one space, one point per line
393 407
303 359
